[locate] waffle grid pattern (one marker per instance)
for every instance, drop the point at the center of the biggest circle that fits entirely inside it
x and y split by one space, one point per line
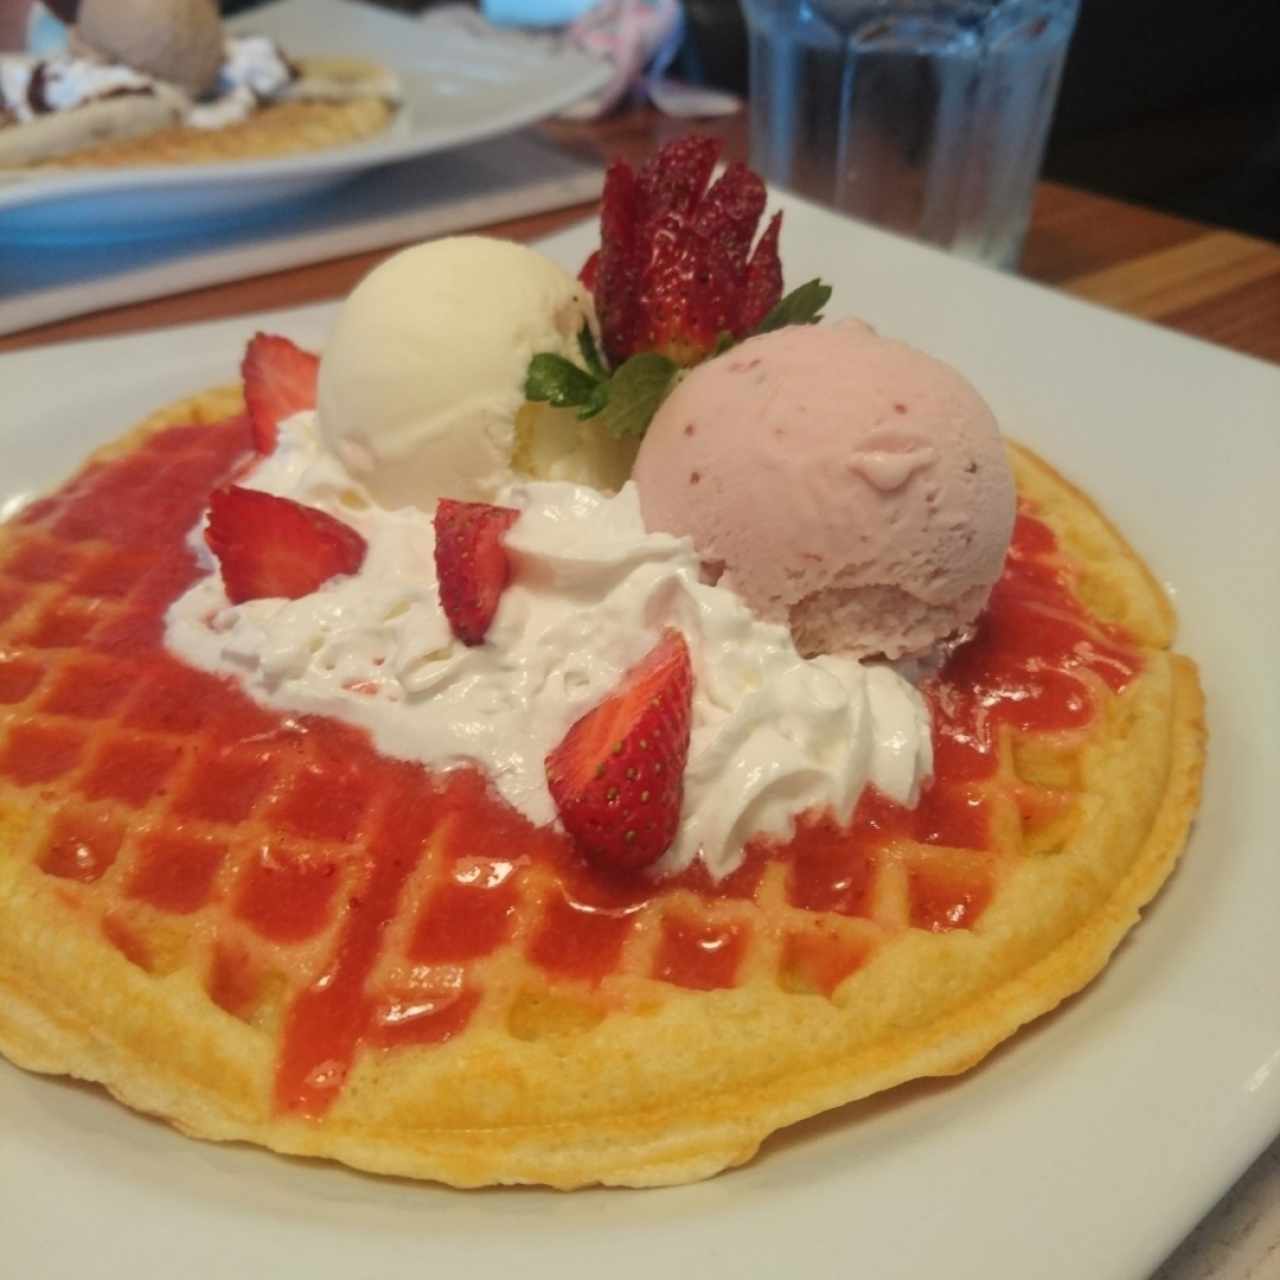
314 886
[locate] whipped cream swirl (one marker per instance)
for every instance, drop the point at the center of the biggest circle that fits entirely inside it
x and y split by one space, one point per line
773 734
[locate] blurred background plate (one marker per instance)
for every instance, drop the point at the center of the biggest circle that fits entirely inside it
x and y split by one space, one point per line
462 83
47 276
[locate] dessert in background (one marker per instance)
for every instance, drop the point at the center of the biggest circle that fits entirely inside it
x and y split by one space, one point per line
157 82
485 840
845 485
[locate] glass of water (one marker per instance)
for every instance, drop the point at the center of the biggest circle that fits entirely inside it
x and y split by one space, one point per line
928 117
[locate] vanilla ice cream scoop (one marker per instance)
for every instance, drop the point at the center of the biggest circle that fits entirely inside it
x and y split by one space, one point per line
175 40
849 486
423 375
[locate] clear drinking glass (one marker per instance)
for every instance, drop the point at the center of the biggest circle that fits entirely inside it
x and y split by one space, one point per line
928 117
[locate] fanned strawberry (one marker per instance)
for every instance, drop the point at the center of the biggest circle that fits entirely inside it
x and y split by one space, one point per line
269 546
674 270
617 776
279 381
472 565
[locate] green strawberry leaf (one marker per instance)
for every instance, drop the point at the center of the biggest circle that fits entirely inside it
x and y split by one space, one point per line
591 353
624 401
596 402
558 381
638 386
801 306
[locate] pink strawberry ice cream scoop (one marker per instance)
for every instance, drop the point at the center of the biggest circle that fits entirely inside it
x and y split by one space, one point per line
841 483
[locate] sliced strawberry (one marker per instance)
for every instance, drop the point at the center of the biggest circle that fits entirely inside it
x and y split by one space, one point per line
674 270
472 564
616 265
673 181
617 777
268 546
279 381
764 277
729 215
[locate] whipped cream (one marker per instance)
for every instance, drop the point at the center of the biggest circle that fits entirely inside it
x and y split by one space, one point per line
32 87
227 108
255 63
254 70
773 734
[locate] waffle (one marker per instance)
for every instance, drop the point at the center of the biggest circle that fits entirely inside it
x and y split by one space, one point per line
254 926
275 129
337 101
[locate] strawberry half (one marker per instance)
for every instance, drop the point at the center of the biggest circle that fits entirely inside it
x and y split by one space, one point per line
617 777
472 565
268 546
675 268
279 381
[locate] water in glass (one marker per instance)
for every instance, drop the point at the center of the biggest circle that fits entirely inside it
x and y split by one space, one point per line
927 117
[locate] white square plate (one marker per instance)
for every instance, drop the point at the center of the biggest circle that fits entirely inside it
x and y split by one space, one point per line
463 82
1086 1147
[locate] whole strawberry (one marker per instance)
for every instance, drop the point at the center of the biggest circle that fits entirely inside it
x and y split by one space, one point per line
617 776
675 270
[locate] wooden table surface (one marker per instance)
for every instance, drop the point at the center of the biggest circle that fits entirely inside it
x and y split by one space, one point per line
1198 279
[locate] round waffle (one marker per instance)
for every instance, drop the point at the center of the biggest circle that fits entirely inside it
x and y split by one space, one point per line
254 926
310 122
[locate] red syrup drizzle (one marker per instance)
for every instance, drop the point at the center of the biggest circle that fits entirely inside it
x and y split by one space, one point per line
694 953
378 816
1025 667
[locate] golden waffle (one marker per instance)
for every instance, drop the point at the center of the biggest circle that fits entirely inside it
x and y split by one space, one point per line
275 129
254 926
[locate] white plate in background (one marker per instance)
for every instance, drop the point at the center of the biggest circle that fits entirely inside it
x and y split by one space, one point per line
460 87
514 176
1082 1150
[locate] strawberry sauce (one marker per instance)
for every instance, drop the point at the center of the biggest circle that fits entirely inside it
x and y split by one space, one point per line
1024 667
114 541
